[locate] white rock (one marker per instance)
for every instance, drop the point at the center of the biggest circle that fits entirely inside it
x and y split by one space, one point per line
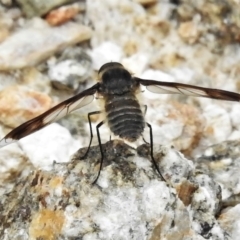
218 126
230 221
29 46
136 63
106 52
65 68
235 116
51 144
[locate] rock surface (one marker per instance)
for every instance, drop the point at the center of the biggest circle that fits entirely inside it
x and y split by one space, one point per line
19 50
22 100
192 42
128 201
39 8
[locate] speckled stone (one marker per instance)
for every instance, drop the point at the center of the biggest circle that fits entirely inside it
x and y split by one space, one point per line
192 42
128 201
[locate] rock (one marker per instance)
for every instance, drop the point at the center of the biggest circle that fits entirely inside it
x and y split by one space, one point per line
106 52
192 127
8 16
4 33
17 165
128 201
60 146
6 2
19 50
218 21
39 8
146 2
34 79
221 162
229 220
216 118
62 14
189 32
71 69
18 104
46 224
171 122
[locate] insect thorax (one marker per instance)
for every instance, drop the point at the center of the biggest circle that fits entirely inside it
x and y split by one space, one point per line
116 80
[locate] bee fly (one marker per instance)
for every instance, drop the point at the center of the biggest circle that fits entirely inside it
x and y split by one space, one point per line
124 116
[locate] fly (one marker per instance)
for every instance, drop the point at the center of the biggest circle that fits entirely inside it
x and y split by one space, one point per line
118 89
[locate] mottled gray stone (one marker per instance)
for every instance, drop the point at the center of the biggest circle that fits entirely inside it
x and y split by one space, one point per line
129 201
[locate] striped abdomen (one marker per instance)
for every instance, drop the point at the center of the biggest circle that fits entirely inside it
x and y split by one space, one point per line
124 116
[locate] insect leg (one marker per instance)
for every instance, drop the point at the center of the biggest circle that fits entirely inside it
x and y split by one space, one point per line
144 113
101 150
145 110
151 148
90 127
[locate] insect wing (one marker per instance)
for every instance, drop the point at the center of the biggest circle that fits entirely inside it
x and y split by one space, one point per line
57 112
63 110
186 89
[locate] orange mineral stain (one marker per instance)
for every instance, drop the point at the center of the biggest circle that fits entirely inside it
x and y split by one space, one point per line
46 224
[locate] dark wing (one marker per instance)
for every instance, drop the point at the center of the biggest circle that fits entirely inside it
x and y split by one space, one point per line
185 89
52 115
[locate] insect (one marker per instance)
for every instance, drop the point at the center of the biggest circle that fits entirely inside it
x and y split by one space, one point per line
124 115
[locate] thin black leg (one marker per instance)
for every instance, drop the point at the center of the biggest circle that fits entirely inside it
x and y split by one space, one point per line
145 140
91 133
101 150
151 148
144 113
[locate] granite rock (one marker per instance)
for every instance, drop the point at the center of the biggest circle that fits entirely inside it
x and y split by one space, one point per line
128 201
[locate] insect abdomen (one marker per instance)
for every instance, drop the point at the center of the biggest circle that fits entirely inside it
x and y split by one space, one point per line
124 116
